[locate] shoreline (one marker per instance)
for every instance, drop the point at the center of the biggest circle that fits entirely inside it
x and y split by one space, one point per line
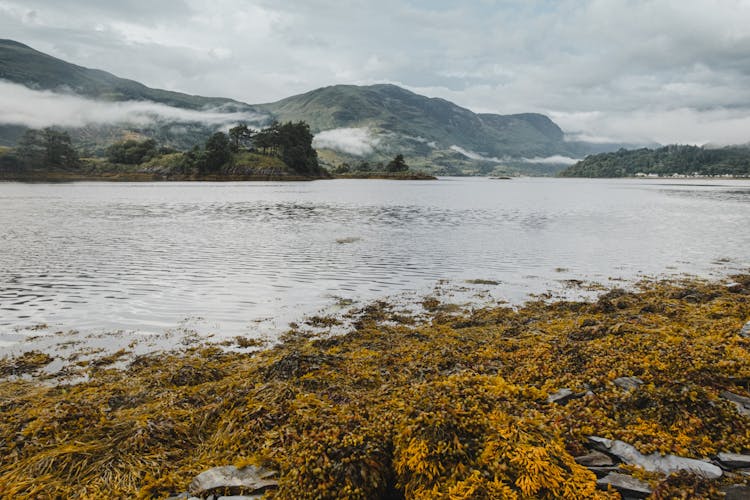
400 408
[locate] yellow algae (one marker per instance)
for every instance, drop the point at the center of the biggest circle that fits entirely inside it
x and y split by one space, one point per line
455 407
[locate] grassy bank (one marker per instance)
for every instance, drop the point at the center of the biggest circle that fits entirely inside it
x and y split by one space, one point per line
454 407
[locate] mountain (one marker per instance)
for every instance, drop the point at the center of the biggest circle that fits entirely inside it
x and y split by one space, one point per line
665 161
352 123
432 130
20 63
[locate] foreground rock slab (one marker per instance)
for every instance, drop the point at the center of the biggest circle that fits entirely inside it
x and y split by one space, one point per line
734 460
230 480
627 486
656 463
741 402
561 397
595 459
628 383
745 332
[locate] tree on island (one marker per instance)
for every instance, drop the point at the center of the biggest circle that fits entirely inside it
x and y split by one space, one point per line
240 136
218 151
132 152
48 147
397 164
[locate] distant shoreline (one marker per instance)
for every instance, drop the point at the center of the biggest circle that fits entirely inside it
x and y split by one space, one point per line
146 177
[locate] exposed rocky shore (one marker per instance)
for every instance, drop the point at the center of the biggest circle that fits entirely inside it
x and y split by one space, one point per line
639 394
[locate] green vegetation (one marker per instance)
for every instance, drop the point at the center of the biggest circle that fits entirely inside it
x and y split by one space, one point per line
281 151
396 169
425 129
445 405
20 63
132 152
46 148
666 161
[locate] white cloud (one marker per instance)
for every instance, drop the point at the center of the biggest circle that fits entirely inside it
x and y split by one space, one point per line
665 126
354 141
473 155
36 109
551 160
613 57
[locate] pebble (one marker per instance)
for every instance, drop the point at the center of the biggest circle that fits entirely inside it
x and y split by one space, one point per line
628 383
626 485
249 479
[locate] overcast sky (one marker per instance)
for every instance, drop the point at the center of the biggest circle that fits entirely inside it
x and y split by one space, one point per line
628 70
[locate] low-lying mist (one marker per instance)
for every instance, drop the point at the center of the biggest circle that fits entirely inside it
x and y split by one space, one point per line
21 105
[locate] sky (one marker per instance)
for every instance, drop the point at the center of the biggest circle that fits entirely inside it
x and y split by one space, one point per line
669 71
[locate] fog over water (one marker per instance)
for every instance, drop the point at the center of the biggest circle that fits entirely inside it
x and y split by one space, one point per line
151 256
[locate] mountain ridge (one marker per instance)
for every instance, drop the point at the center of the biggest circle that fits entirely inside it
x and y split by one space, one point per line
431 132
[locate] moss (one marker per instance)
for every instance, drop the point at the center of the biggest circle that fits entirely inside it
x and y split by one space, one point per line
454 407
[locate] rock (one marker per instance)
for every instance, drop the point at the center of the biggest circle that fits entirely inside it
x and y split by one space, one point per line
656 463
595 459
628 383
626 485
734 460
241 497
741 402
603 471
735 287
560 397
745 331
231 480
564 395
737 492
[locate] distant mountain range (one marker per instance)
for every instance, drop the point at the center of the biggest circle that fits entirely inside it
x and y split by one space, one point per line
351 123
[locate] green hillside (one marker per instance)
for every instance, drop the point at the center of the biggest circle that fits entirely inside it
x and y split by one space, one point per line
665 161
22 64
424 128
432 134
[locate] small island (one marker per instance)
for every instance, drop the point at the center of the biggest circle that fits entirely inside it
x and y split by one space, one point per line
281 151
396 169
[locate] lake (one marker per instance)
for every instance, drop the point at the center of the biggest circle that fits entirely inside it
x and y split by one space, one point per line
237 258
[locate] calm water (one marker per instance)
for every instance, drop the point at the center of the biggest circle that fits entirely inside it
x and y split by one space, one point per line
150 256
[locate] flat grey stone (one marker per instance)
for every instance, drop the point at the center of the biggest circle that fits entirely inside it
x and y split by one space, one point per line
741 402
628 383
560 397
564 395
235 481
241 497
745 331
734 460
654 462
626 485
603 471
595 459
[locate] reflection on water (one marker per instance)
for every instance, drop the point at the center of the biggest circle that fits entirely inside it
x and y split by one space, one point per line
145 256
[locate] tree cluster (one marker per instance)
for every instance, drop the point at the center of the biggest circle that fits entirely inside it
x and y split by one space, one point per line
46 148
397 164
669 160
132 152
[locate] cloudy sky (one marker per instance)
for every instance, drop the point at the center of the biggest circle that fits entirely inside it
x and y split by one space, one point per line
624 70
